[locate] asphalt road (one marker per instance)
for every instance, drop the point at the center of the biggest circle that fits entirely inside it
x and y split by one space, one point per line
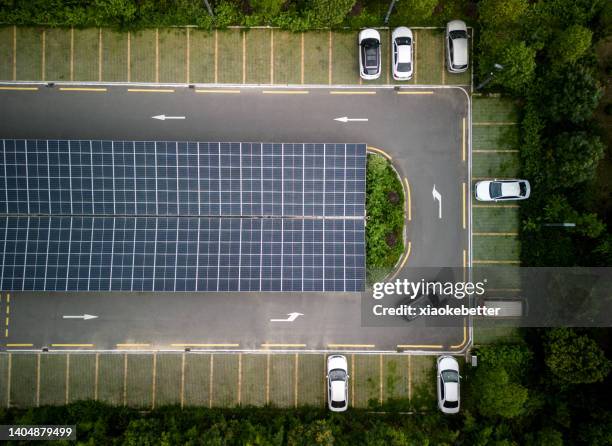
421 132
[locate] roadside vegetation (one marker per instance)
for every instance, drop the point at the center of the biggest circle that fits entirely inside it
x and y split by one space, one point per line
385 218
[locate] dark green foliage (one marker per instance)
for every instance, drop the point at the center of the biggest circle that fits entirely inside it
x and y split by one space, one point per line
498 396
385 217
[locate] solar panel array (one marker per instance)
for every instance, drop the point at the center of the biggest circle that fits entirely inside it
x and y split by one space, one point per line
183 178
182 216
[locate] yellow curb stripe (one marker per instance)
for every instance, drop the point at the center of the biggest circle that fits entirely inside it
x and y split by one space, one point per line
496 234
348 92
463 205
404 260
351 345
416 92
19 345
285 92
72 345
219 91
458 346
268 345
204 345
418 346
463 139
20 88
82 89
147 90
379 151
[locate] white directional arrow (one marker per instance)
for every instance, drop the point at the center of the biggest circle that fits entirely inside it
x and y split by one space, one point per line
81 316
291 318
437 196
164 117
347 119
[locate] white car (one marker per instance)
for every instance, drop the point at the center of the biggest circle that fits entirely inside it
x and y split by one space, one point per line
456 46
337 383
502 190
369 54
448 384
403 60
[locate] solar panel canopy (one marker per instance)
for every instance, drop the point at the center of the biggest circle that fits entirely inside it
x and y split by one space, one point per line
182 216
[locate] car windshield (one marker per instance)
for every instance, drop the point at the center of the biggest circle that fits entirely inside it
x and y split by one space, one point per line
523 189
403 66
451 404
338 404
337 375
495 190
403 41
450 376
458 34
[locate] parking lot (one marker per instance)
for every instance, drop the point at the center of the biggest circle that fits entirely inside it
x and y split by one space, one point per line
148 380
189 55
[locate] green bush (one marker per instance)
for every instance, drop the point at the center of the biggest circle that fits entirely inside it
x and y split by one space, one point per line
385 217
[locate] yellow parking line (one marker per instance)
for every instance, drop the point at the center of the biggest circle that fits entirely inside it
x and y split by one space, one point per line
20 88
97 373
463 205
415 59
210 380
496 262
125 369
267 379
463 140
183 380
205 345
268 345
443 65
148 90
513 206
82 89
419 346
132 345
67 378
496 151
409 199
494 123
295 380
43 55
416 92
219 91
156 55
243 57
239 378
334 346
496 234
72 53
188 56
380 377
100 55
72 345
271 55
409 377
464 258
14 52
19 345
285 92
347 92
352 373
379 151
129 56
38 380
302 60
330 56
216 56
153 380
8 380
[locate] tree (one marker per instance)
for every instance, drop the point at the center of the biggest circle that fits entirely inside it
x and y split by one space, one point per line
330 13
569 95
519 65
416 11
122 12
576 156
497 396
546 437
495 13
574 359
569 45
268 9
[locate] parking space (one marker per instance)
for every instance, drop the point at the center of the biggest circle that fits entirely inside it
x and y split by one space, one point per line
231 56
216 380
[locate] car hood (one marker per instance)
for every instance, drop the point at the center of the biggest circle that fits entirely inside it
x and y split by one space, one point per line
448 363
336 363
482 189
511 189
338 392
451 391
456 25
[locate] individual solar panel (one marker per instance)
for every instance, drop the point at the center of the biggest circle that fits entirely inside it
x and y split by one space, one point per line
167 178
181 254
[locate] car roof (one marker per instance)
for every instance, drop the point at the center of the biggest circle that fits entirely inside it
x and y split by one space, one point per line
460 51
338 391
451 391
510 189
404 53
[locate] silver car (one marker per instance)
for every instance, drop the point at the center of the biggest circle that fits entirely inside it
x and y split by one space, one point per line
337 383
502 190
448 384
403 60
456 46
